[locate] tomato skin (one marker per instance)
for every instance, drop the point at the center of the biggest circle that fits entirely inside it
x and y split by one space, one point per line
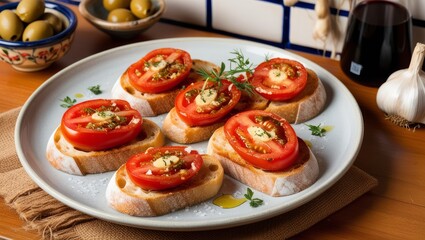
188 110
279 90
75 119
151 80
276 154
143 173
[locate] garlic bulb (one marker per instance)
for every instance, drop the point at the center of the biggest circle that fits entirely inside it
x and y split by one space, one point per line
402 96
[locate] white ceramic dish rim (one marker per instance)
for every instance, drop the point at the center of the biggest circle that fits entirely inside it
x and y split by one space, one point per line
248 215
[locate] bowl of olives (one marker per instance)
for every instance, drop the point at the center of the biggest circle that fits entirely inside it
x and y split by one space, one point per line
35 33
122 18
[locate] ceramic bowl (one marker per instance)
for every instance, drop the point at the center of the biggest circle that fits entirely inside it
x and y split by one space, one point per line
96 14
37 55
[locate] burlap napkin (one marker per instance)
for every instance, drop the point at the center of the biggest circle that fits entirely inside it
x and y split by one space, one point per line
55 220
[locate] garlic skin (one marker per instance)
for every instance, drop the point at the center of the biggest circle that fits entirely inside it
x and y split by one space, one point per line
403 94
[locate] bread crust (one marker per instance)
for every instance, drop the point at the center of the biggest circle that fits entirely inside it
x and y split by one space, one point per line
64 157
126 197
178 131
281 183
149 104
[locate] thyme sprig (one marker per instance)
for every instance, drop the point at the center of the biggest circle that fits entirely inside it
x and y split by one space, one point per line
238 65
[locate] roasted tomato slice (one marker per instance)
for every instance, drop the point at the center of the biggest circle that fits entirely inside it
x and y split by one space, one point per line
263 139
279 79
203 103
163 167
100 124
160 70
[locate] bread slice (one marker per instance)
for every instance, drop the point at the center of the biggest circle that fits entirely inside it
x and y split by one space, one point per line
306 105
126 197
178 131
63 156
281 183
149 104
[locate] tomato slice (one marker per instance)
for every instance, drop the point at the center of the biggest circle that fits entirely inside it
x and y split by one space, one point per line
203 103
160 70
164 167
279 79
264 139
100 124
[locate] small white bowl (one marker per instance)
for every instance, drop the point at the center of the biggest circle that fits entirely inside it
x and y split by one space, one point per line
96 14
37 55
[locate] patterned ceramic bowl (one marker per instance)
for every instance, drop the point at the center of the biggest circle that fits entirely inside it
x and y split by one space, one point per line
37 55
96 14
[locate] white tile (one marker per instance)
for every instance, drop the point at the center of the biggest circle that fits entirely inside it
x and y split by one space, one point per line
187 11
337 4
302 22
252 18
417 8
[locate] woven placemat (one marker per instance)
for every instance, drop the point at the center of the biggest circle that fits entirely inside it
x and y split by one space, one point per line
55 220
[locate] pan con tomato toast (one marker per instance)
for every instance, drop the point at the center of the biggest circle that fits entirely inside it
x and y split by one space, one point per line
200 109
99 135
151 84
288 89
303 107
150 184
262 151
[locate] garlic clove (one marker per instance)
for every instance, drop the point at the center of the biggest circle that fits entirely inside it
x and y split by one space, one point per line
289 3
322 9
403 94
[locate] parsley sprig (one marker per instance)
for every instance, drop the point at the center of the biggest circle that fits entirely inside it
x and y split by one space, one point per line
68 102
253 202
316 130
238 65
95 89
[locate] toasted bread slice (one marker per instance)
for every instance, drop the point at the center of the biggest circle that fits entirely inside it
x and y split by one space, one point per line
63 156
149 104
281 183
126 197
178 131
306 105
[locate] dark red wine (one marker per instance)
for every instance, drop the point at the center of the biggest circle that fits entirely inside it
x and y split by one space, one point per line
378 42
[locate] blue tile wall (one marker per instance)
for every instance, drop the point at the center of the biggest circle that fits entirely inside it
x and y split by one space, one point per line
271 22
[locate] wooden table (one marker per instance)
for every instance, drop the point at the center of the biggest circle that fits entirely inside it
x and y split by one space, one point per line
394 155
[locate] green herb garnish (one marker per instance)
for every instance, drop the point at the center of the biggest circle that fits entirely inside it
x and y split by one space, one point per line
95 89
267 57
67 102
253 202
238 65
316 130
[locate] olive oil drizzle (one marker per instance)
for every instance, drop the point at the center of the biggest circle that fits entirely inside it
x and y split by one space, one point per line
227 201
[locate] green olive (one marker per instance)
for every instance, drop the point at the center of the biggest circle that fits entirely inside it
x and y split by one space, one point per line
120 15
141 8
30 10
11 27
54 20
37 30
114 4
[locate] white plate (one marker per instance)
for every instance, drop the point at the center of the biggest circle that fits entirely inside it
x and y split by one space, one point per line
41 114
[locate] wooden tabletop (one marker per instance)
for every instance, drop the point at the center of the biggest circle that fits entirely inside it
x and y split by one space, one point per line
394 155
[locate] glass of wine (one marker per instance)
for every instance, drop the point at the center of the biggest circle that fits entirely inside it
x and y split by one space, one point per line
378 40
